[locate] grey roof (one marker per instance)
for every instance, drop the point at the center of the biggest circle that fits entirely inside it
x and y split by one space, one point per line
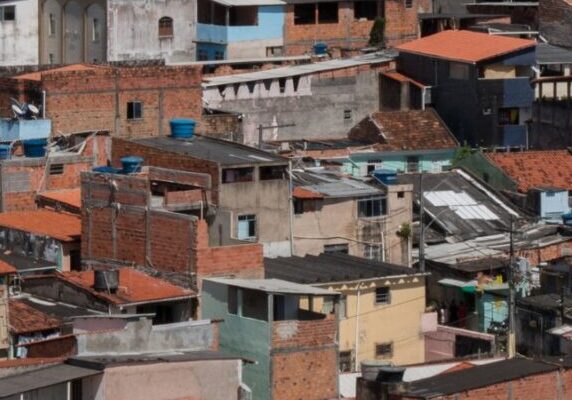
476 377
57 309
550 54
296 70
101 361
219 151
462 207
333 184
42 377
277 286
27 264
545 302
329 268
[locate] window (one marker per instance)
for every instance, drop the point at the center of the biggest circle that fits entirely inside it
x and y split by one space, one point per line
373 207
327 13
243 16
365 10
372 252
246 227
165 27
346 359
458 71
56 169
304 14
347 114
51 58
134 110
382 295
52 25
232 175
408 3
400 195
508 116
384 350
341 248
202 55
76 390
95 30
343 307
273 172
274 51
219 55
8 13
412 164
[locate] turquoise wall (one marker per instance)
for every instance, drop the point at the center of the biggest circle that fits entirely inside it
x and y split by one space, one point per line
244 337
433 162
490 308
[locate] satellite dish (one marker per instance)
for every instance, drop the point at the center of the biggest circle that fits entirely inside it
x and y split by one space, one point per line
18 111
33 109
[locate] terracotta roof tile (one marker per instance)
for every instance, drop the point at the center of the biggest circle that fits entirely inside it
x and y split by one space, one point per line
405 130
6 268
26 319
134 287
465 46
533 169
396 76
58 225
301 193
70 197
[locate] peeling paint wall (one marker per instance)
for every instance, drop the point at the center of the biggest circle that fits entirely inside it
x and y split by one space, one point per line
133 30
19 38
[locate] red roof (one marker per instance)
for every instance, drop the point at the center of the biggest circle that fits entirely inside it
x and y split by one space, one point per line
134 287
6 268
301 193
536 169
58 225
465 46
26 319
70 197
396 76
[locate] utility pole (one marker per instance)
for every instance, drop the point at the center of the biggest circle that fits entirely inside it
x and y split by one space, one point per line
421 226
261 129
511 295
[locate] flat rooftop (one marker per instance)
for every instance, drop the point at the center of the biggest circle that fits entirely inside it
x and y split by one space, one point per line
210 149
275 286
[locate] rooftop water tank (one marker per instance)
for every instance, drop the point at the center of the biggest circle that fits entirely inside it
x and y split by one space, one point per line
35 147
131 164
386 176
106 280
5 150
182 128
320 49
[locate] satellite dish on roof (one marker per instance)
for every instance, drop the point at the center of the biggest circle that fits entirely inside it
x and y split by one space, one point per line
33 109
18 111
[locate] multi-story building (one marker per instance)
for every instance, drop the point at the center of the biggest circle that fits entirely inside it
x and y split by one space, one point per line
483 93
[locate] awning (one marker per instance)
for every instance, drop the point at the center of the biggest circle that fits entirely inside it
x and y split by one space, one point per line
465 286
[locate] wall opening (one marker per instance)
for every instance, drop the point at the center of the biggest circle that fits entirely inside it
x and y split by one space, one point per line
243 16
304 14
327 13
165 27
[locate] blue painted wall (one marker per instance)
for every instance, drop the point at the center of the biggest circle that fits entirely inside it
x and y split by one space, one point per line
25 129
212 33
270 26
211 49
553 204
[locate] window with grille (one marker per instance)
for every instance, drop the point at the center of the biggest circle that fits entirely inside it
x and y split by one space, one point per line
165 27
346 361
134 110
382 295
56 169
373 207
372 252
341 248
384 350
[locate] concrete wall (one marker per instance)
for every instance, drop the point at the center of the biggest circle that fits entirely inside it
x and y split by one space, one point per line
133 30
204 379
398 322
19 38
429 161
317 106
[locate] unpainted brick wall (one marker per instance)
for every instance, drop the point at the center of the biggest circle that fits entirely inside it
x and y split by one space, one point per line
65 346
294 333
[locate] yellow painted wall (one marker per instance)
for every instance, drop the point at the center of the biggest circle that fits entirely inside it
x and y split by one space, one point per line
499 71
398 322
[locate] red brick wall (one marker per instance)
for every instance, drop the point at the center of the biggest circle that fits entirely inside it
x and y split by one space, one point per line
546 253
158 158
64 346
79 101
305 375
401 26
293 333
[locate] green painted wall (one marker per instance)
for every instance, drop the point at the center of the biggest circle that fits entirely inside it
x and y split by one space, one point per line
240 336
432 162
478 165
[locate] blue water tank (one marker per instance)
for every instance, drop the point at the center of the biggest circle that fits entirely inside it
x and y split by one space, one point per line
106 170
35 147
320 49
131 164
5 150
182 128
387 176
567 219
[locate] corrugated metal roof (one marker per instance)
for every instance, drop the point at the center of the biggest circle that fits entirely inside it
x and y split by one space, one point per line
296 70
273 286
332 184
43 377
550 54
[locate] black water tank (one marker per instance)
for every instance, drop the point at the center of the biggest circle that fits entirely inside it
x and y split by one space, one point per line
106 280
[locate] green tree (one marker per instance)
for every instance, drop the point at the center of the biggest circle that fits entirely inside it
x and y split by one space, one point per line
377 33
